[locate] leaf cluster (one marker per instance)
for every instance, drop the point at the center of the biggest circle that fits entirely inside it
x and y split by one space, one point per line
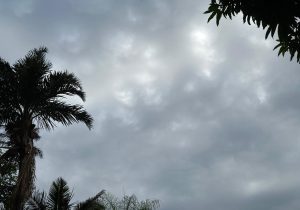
30 89
271 15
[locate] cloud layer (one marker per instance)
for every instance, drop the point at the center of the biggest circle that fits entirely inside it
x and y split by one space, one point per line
195 115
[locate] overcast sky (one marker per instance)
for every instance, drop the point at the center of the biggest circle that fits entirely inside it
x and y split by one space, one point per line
195 115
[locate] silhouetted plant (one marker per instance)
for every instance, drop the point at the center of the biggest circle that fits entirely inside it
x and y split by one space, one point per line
59 198
31 98
270 14
92 203
8 177
111 202
38 201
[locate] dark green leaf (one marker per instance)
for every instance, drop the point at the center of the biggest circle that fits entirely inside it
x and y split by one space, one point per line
219 15
211 16
268 32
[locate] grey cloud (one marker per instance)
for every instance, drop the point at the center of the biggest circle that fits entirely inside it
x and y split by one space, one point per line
198 116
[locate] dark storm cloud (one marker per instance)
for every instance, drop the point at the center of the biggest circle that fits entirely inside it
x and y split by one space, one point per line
198 116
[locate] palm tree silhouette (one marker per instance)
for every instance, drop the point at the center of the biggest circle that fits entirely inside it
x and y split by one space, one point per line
31 97
59 198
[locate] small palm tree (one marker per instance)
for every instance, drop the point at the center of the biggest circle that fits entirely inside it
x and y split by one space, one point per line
31 98
59 198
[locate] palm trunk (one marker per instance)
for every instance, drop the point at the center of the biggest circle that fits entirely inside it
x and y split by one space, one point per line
23 188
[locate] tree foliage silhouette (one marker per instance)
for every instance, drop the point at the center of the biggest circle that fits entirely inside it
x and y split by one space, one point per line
8 177
59 198
112 202
270 14
32 98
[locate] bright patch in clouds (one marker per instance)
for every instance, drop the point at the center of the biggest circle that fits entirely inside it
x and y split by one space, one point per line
261 94
256 187
125 96
144 78
201 44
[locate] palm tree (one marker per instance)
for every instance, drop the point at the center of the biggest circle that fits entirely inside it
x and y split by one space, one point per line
31 98
59 198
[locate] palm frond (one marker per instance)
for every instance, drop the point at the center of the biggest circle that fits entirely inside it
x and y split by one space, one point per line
63 113
37 201
60 195
30 72
9 106
59 84
91 203
34 65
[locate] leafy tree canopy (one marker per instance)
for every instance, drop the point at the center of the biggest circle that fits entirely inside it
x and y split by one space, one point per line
272 15
8 177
